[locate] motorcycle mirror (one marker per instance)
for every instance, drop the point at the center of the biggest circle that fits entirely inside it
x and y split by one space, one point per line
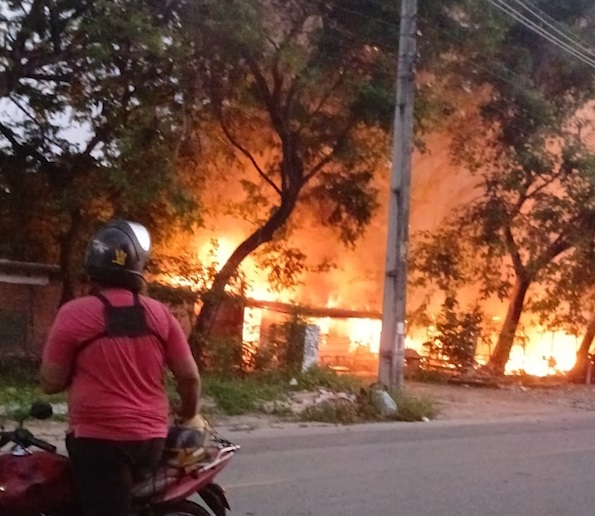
41 410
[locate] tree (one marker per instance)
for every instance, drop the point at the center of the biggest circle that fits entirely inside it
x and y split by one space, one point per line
567 302
535 182
279 71
304 92
93 96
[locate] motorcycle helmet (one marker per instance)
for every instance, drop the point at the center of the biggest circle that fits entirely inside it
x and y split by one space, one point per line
185 445
118 253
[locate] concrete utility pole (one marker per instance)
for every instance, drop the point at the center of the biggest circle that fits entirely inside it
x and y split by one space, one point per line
392 340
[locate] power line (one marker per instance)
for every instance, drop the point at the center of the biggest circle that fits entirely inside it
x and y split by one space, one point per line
392 51
519 17
557 26
581 52
531 25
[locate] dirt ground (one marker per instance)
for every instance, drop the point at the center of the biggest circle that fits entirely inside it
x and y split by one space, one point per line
516 400
455 403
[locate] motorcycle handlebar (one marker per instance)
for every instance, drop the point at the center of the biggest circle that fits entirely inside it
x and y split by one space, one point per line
42 444
5 438
25 439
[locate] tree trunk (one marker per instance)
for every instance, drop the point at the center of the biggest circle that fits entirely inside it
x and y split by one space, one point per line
501 353
578 373
66 248
213 298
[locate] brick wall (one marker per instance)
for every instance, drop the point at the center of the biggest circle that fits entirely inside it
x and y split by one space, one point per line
26 314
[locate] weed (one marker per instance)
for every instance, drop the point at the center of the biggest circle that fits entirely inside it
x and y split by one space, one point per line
19 387
235 396
412 408
338 412
322 376
431 376
366 409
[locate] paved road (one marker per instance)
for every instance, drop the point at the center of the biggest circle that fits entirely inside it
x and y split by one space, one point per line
509 468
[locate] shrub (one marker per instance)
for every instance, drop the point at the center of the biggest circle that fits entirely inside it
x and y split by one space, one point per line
339 411
325 377
457 334
224 356
235 396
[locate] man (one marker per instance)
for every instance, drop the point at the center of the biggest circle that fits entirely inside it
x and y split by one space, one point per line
111 350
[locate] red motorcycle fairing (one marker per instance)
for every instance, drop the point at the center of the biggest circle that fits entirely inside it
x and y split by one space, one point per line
34 483
214 497
167 483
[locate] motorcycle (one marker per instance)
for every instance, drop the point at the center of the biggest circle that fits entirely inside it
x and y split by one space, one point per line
36 483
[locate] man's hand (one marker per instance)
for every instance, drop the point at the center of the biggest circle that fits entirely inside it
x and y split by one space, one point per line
54 378
188 386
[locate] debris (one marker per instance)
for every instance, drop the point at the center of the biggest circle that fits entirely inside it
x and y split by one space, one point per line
276 407
384 402
347 396
242 428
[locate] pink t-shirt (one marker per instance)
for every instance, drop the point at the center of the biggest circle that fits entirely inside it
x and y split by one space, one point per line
117 387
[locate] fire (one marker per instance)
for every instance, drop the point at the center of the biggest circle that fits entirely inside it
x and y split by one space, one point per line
545 353
364 332
353 342
252 325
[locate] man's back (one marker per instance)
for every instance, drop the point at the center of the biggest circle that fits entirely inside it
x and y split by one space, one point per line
116 390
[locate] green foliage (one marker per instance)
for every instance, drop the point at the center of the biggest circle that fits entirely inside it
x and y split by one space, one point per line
412 408
283 264
281 351
425 375
225 356
232 394
535 200
292 92
287 341
325 377
19 387
348 201
235 396
566 302
457 334
440 259
110 73
344 412
339 412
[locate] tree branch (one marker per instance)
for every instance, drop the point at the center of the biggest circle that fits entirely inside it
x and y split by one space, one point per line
247 153
24 34
267 97
513 250
329 157
10 136
23 150
322 101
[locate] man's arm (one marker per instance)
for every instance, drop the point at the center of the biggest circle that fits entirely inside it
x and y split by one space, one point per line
188 385
58 354
53 378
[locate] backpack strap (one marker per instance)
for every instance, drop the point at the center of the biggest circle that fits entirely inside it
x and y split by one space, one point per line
123 321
